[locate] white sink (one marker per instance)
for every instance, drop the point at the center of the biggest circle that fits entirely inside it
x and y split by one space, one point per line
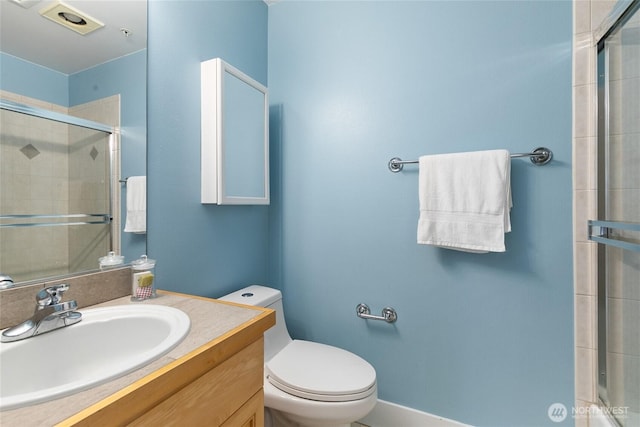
109 342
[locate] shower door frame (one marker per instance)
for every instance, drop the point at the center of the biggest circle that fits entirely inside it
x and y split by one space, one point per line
625 11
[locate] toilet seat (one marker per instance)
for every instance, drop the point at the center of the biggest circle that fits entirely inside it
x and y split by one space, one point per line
321 372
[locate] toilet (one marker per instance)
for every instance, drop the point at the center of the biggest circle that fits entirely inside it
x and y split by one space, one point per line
308 384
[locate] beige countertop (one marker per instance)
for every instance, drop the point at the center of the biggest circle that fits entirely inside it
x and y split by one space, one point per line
210 319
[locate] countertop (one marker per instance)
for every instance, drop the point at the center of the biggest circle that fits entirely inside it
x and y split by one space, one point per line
210 319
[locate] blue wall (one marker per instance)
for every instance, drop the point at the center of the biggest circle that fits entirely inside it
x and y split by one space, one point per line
126 76
202 249
483 339
33 80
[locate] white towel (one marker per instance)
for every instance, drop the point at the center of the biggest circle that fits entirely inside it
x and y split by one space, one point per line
136 205
465 200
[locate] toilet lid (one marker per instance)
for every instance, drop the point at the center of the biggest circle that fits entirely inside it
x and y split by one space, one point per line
321 372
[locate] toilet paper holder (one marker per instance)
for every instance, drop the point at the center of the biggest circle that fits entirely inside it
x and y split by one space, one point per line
389 315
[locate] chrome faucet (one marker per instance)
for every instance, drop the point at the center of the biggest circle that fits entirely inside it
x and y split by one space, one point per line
50 314
6 281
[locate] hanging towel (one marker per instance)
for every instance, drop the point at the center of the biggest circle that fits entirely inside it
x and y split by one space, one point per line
136 205
465 200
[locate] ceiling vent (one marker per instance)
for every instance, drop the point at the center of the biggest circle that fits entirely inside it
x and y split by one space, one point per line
71 18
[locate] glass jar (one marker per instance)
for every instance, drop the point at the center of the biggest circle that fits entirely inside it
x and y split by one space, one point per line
142 279
110 260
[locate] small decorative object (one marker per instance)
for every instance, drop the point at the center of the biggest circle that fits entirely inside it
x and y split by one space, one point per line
142 283
110 260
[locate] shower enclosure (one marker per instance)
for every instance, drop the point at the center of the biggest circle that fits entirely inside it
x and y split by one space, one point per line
55 192
618 226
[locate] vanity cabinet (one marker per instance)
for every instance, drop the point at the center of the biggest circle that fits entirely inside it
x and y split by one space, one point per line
229 394
217 384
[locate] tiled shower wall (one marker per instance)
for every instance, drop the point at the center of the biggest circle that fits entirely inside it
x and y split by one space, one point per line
35 156
88 167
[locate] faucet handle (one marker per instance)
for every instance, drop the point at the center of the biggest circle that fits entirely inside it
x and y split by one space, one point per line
51 295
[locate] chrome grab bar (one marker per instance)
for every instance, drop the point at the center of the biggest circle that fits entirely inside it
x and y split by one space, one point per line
389 315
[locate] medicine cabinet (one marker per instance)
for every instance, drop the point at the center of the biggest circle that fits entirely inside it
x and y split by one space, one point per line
234 136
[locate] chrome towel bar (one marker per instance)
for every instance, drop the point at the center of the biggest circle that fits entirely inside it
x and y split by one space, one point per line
389 315
540 156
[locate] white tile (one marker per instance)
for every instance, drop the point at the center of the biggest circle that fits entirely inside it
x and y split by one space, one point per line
624 106
585 209
583 112
585 306
599 11
583 59
585 268
584 163
624 278
630 58
623 334
624 204
585 374
625 391
581 16
624 153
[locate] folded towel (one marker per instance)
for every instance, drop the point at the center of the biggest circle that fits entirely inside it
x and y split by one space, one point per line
465 200
136 205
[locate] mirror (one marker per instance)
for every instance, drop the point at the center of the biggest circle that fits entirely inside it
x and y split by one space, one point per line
235 136
54 67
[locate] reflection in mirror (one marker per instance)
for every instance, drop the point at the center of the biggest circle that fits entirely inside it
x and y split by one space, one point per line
55 215
100 77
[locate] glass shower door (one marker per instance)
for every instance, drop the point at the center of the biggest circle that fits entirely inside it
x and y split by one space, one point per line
618 227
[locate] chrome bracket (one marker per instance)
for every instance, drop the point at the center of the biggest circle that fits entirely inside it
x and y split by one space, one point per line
540 156
395 164
389 315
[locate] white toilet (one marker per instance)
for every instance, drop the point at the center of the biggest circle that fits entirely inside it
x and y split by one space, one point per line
306 383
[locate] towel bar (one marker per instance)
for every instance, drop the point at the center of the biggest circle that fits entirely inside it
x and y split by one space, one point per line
540 156
389 315
99 219
608 233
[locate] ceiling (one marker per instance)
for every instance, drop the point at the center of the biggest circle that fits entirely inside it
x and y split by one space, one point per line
26 34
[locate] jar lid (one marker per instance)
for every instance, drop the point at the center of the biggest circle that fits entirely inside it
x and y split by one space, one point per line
111 259
143 263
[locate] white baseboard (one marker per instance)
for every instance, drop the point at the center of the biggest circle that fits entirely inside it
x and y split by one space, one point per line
387 414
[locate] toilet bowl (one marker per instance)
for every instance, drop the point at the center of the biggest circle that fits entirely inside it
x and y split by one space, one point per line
308 384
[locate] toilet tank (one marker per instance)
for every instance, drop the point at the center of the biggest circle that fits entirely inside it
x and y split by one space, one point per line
277 337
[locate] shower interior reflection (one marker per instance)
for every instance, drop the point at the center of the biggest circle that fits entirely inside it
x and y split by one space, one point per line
55 193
